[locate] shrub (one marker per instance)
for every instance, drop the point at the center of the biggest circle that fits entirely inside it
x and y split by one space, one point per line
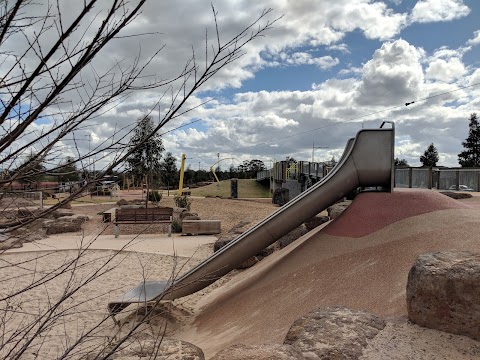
154 196
176 226
182 202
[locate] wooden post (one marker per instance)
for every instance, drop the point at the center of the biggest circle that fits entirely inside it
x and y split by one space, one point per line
410 177
457 179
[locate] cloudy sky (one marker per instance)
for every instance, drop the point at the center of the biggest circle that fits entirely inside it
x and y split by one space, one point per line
325 70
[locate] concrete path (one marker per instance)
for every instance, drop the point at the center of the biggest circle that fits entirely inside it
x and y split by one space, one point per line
185 246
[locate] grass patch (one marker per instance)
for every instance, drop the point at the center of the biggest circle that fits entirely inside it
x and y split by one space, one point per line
247 188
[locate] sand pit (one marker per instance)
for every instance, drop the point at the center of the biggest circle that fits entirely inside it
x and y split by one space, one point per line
366 273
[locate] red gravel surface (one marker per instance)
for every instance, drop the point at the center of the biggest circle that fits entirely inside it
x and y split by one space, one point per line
374 211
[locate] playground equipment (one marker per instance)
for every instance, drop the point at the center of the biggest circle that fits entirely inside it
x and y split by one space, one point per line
366 162
182 172
212 169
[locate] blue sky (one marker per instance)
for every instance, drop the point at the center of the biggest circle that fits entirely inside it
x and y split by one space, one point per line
323 71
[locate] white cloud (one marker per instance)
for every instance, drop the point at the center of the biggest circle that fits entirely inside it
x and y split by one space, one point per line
445 70
476 38
343 48
391 77
376 20
394 75
438 10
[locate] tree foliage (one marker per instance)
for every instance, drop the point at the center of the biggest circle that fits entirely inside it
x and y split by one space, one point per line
430 156
169 172
67 170
400 162
470 157
146 157
32 169
250 167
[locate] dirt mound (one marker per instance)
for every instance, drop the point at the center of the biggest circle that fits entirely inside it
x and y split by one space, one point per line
369 273
374 211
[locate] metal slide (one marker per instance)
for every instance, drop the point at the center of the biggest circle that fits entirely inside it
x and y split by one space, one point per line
366 162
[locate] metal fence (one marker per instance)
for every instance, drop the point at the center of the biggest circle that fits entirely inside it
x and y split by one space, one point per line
467 179
283 170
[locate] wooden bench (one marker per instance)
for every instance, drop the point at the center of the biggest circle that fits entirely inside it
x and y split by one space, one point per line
143 216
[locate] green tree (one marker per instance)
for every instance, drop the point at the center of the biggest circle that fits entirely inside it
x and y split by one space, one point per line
251 167
400 162
67 170
470 157
145 160
430 156
169 173
32 169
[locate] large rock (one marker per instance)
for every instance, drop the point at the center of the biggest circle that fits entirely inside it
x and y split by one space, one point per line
443 292
316 221
66 206
240 228
224 240
64 224
259 352
187 215
293 235
122 202
158 348
333 333
280 196
61 213
335 210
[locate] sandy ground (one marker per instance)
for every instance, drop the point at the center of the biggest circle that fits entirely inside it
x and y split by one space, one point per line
328 266
366 273
51 267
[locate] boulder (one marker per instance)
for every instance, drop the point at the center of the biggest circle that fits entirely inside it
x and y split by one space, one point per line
160 349
64 224
280 196
24 212
315 221
443 292
221 242
293 235
259 352
122 202
335 210
186 215
224 240
248 263
66 206
240 228
333 333
61 213
132 206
